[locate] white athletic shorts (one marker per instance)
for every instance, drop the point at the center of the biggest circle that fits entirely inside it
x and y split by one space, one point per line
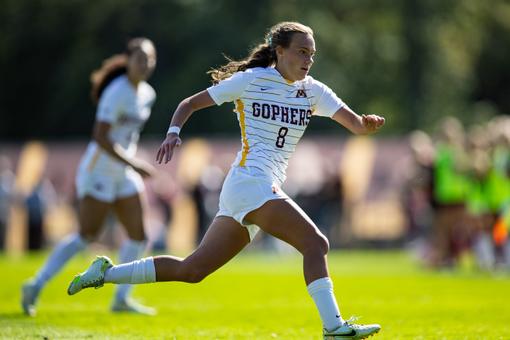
108 186
244 190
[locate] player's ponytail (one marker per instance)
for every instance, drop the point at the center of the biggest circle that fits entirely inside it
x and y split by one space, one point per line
110 69
263 55
260 56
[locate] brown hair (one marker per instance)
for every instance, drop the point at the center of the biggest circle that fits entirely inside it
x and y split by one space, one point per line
263 55
113 67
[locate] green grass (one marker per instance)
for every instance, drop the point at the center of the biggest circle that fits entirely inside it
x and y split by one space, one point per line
264 297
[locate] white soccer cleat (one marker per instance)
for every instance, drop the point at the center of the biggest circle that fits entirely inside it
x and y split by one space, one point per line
132 306
92 277
29 294
351 331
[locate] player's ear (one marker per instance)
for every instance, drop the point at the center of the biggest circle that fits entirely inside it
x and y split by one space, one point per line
279 51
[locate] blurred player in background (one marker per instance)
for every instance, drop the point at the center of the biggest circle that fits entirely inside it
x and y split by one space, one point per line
275 99
109 177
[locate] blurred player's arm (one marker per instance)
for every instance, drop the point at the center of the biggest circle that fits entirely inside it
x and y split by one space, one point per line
100 135
359 125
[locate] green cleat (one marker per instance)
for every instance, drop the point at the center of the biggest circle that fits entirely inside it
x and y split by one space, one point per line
92 277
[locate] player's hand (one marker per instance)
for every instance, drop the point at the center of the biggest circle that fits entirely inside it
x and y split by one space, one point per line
145 169
372 123
166 149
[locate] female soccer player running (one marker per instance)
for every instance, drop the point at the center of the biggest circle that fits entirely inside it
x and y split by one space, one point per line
109 177
275 100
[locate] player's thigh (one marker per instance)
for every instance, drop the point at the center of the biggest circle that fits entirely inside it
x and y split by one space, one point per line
129 211
284 219
91 216
224 239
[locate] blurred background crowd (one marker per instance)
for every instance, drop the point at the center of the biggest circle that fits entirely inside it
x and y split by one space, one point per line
436 179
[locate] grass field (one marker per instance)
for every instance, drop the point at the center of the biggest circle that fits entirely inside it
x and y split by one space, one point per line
260 296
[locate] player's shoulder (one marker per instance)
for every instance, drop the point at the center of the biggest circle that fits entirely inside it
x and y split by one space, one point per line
120 82
311 81
314 84
255 72
147 89
117 87
245 76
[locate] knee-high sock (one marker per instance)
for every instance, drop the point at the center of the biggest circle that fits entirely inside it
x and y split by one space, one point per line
131 250
322 294
62 253
140 271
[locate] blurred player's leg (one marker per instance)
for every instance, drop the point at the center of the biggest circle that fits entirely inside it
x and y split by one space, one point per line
91 215
131 250
130 214
65 250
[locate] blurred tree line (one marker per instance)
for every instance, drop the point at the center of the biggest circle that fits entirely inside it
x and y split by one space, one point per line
412 61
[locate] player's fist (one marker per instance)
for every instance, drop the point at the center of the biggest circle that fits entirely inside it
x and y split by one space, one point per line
372 123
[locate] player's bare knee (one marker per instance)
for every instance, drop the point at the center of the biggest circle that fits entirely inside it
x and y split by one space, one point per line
316 243
323 243
326 244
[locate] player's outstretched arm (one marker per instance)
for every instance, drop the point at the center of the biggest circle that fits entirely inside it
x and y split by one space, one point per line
184 110
100 135
360 125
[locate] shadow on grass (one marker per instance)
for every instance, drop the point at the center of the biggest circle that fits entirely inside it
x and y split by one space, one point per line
15 315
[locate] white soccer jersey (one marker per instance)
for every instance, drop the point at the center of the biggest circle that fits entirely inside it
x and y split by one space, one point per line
126 109
273 114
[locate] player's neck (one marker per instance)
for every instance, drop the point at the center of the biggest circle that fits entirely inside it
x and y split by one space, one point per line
283 73
133 81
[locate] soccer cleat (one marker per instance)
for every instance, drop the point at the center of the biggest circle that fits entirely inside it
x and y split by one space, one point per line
92 277
351 331
29 294
129 305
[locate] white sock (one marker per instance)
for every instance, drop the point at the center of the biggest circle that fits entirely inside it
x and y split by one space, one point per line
64 251
130 250
321 291
141 271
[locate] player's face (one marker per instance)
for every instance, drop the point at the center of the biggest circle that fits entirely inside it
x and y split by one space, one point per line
142 62
295 61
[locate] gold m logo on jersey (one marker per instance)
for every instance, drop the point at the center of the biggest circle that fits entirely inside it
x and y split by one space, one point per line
301 93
